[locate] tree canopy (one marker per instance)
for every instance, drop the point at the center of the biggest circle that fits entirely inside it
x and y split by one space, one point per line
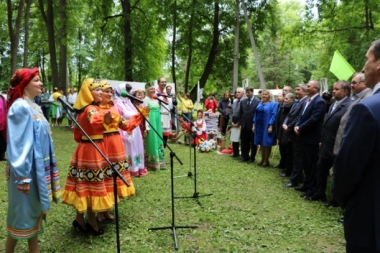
185 41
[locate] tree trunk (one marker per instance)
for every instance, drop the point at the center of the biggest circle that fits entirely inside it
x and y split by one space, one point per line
48 18
79 60
173 43
212 54
14 32
190 43
126 4
62 46
26 40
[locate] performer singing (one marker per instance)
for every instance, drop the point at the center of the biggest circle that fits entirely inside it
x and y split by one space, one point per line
114 147
164 110
155 155
85 188
133 141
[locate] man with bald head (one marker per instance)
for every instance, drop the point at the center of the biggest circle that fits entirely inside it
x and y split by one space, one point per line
357 165
309 129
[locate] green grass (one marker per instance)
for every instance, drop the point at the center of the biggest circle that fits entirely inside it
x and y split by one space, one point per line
249 211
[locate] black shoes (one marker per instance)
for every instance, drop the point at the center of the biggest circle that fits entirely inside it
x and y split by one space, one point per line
283 174
278 166
76 226
250 161
290 185
341 220
93 231
242 160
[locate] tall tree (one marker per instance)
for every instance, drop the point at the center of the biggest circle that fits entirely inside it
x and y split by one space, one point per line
26 36
14 31
63 82
48 18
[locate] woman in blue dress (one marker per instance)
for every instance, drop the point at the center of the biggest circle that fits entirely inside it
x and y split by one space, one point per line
263 121
32 174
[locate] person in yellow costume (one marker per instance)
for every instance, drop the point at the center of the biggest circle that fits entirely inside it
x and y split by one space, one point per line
85 187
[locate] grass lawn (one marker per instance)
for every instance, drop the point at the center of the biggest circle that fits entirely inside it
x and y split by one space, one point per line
249 211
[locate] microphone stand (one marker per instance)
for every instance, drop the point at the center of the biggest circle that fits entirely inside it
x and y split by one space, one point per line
173 227
115 174
196 194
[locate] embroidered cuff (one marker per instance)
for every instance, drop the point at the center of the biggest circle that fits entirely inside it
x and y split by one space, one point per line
23 181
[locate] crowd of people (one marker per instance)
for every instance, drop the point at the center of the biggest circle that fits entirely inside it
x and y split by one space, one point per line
315 133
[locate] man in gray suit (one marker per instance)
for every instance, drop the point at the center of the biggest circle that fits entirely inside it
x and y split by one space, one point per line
359 91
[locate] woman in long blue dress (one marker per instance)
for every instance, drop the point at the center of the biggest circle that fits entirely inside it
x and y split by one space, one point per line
263 121
32 174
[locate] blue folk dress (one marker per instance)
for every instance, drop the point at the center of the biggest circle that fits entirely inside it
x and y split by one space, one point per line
265 115
31 158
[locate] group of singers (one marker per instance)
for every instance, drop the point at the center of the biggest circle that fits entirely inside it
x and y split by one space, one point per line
117 127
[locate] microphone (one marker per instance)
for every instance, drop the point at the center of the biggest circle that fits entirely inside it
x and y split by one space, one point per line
63 102
162 101
125 94
163 95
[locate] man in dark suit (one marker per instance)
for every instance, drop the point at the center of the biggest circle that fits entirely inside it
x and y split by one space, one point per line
235 115
341 94
288 125
357 165
247 110
277 125
309 129
359 91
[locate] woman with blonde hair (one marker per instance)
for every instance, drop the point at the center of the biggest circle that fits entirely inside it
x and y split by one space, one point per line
263 121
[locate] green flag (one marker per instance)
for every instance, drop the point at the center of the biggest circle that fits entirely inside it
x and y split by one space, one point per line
340 67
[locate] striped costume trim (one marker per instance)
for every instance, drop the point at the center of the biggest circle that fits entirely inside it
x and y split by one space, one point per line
18 234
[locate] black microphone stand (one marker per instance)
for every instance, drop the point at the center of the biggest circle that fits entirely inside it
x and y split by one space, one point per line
173 227
196 194
115 174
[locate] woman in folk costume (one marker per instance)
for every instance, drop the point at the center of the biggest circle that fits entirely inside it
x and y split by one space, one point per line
155 155
32 174
200 128
140 94
114 146
133 141
85 188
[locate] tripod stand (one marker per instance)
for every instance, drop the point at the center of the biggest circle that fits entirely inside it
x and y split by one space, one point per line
173 227
115 171
196 194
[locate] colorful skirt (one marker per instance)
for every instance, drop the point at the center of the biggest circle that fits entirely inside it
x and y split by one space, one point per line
116 154
85 185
